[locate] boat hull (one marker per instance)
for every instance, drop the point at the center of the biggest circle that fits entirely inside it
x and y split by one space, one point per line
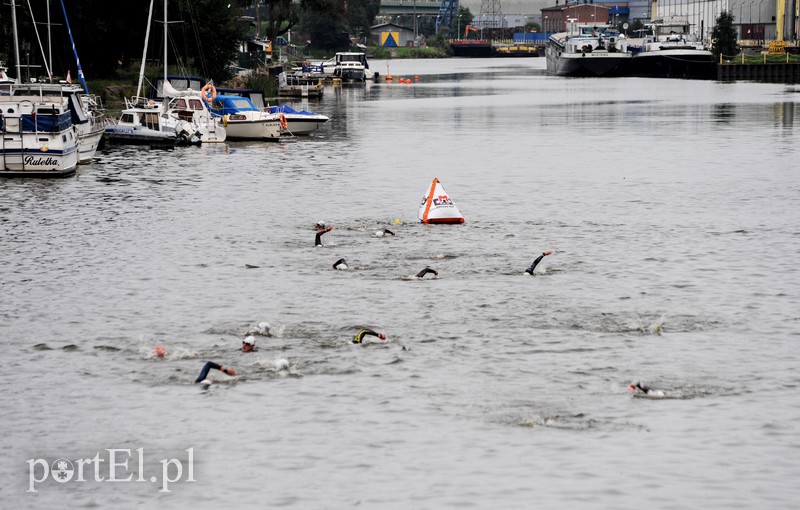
561 63
675 63
139 135
253 130
472 48
30 162
88 142
301 126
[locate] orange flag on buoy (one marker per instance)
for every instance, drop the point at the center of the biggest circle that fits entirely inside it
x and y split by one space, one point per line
436 206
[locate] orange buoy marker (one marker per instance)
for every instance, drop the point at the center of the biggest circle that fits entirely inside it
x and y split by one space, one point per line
408 81
416 77
436 206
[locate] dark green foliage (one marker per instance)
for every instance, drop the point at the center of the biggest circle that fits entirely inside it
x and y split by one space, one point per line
724 35
326 24
457 26
284 16
532 26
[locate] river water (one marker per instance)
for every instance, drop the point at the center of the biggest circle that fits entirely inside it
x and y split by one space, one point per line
672 208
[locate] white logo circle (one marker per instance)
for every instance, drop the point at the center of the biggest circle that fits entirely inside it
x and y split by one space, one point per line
61 470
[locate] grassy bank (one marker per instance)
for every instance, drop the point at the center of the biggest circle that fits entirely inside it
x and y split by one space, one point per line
383 53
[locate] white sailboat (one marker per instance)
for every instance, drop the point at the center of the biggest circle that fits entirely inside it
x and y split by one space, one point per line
180 118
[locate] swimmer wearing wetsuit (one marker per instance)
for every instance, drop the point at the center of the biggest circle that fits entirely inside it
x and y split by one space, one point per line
318 240
340 265
426 271
536 262
208 366
364 332
384 232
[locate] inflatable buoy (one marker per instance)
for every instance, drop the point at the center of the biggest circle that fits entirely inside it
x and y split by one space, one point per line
209 93
284 122
225 121
437 207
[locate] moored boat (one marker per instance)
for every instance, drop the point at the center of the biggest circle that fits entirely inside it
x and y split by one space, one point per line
244 121
587 50
671 51
88 116
38 138
300 122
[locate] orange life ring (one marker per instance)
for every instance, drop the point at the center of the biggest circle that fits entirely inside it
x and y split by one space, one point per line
284 123
205 92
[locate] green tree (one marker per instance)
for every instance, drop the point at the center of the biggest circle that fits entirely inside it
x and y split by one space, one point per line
724 35
209 37
325 23
284 15
532 26
462 19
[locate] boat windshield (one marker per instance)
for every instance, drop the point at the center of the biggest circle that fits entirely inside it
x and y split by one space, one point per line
593 31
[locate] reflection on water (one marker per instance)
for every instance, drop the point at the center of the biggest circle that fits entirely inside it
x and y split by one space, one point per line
671 208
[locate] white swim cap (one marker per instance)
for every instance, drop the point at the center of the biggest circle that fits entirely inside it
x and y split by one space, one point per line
321 224
250 340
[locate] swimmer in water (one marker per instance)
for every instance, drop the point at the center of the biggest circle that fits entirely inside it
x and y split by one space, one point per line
384 232
425 271
318 240
203 377
249 344
359 338
340 265
529 271
647 390
262 328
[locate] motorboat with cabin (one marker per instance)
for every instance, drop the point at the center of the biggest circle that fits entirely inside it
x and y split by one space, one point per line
244 121
37 137
671 51
587 49
299 122
144 122
349 66
87 112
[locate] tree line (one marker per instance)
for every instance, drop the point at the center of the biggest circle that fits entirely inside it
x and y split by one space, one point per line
204 35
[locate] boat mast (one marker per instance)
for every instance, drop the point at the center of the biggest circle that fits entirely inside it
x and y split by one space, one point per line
144 53
49 43
16 40
165 42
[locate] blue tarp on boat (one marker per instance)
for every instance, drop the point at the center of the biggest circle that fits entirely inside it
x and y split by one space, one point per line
228 105
44 122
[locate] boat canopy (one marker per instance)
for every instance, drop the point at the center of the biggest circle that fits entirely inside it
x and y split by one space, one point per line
226 105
